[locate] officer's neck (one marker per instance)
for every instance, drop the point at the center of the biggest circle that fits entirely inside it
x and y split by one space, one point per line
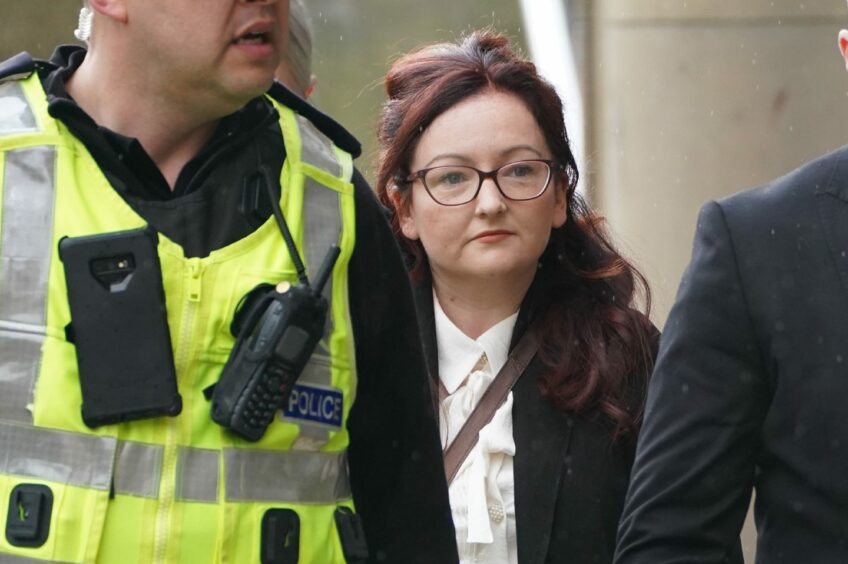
171 128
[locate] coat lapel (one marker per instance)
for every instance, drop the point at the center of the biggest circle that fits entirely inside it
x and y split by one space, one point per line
423 294
542 437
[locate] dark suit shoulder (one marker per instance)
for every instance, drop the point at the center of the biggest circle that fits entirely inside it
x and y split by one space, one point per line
782 216
781 197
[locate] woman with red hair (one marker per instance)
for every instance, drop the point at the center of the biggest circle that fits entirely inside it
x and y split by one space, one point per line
477 170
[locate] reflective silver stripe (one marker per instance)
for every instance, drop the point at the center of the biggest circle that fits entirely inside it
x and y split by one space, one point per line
138 469
15 114
321 207
322 228
20 351
27 233
197 474
25 247
250 475
322 222
56 456
316 148
292 476
15 77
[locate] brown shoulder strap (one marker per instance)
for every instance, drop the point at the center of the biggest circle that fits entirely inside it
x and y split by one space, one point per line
494 396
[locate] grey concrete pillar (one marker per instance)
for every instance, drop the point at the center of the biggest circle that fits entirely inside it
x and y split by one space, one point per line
696 99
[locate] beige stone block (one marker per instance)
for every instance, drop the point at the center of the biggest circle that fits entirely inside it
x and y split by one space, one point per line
36 26
735 10
687 114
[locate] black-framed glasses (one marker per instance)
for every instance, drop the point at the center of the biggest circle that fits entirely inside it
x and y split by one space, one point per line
454 185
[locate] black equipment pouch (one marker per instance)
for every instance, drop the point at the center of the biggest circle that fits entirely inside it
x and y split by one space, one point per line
120 326
280 537
351 536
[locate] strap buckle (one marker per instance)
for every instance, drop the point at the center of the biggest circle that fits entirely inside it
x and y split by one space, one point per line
28 518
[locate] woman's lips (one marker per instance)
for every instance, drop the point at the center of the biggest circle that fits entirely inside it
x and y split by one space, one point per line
493 236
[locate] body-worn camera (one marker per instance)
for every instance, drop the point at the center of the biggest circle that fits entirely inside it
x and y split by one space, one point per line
275 337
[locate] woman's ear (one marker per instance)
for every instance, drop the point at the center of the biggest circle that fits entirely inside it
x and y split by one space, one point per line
560 215
408 228
403 209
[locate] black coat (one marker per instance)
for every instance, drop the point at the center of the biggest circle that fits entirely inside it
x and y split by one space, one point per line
751 384
570 479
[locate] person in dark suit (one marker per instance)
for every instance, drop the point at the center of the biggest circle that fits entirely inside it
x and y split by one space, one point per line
479 175
751 384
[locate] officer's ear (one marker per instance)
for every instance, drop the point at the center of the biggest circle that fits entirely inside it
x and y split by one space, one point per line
843 45
310 88
112 9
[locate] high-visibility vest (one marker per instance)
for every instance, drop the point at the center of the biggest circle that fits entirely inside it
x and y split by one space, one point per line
166 489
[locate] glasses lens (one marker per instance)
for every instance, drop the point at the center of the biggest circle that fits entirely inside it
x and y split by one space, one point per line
451 185
524 180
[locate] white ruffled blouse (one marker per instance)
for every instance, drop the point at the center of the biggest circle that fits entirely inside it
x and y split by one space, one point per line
482 495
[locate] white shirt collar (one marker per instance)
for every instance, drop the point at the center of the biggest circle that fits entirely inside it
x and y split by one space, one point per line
458 353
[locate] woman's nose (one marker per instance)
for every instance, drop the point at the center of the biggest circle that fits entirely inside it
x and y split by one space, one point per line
490 201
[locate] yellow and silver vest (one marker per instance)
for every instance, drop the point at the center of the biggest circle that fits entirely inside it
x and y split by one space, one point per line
178 489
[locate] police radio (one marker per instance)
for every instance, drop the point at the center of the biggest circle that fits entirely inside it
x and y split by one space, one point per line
274 343
276 330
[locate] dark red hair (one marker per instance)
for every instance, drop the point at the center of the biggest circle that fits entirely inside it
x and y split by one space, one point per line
596 346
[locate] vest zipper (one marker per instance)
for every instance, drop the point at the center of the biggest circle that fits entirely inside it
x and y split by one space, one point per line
193 283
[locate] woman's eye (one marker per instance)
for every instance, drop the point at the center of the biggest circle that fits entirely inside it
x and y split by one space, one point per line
521 170
452 178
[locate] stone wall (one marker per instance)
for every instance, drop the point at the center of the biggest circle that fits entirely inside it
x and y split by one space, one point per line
697 99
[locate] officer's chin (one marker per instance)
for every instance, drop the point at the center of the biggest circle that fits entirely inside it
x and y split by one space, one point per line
240 93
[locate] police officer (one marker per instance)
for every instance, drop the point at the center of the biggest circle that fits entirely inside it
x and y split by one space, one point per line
160 122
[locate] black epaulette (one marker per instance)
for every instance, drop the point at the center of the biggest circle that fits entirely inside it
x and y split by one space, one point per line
328 126
22 65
